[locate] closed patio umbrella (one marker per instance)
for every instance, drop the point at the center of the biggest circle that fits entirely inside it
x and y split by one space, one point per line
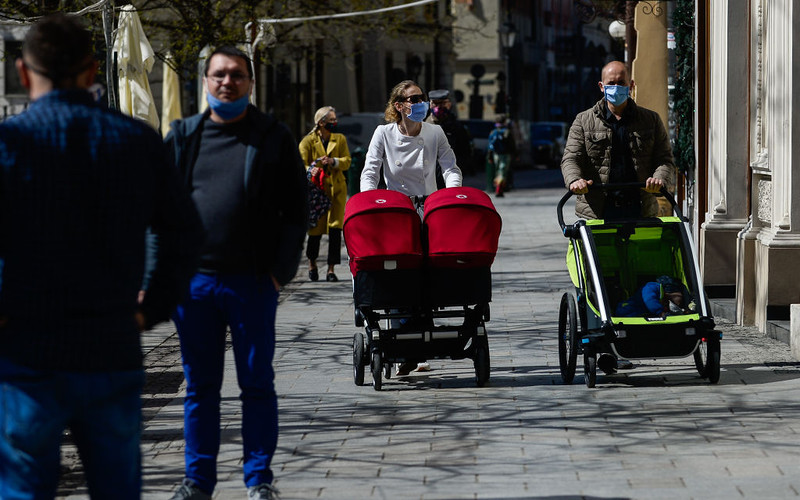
135 59
170 98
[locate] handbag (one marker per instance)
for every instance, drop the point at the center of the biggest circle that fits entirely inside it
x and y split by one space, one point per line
318 202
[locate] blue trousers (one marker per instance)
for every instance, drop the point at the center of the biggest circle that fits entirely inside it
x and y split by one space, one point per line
102 411
247 305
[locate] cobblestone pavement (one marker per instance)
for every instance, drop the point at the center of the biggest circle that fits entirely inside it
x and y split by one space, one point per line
657 431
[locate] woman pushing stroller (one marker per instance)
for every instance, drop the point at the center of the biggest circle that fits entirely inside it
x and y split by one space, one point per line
408 149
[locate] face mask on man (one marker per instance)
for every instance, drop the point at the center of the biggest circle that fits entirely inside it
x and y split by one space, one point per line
227 110
616 94
439 111
419 110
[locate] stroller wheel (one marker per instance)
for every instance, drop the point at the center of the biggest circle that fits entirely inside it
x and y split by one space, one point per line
590 369
707 359
358 358
387 371
481 361
712 363
568 342
377 367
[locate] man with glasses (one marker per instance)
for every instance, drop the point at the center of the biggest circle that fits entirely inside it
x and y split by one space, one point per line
248 182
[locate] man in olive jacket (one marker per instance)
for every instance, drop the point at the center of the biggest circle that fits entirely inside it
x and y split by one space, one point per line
617 141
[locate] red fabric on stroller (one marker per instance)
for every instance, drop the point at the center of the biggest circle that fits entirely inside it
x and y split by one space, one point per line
462 228
382 231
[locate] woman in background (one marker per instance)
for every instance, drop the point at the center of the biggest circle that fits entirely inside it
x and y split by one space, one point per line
326 155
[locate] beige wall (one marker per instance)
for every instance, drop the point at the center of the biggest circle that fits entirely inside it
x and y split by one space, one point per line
651 62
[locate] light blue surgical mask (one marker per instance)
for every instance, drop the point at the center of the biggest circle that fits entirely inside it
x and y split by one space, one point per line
616 94
419 111
227 110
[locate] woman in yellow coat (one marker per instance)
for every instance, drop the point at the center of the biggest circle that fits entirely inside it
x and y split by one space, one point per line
329 152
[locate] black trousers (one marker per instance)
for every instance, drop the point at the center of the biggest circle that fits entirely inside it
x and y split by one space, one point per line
334 246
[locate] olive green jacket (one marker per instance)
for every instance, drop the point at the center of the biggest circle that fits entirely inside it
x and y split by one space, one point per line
587 155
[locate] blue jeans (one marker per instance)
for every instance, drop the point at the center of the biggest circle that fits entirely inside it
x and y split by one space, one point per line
247 304
103 412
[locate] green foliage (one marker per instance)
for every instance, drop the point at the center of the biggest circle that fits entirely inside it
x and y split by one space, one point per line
683 20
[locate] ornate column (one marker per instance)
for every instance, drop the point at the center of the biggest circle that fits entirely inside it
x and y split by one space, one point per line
775 214
728 137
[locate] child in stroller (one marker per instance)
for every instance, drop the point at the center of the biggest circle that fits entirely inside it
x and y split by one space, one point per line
661 297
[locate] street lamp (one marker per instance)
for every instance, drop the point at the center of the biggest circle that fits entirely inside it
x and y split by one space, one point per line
508 35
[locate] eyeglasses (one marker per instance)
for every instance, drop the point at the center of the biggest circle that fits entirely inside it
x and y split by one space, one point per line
413 99
236 77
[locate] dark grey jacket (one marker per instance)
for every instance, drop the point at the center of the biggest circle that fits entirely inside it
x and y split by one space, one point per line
275 187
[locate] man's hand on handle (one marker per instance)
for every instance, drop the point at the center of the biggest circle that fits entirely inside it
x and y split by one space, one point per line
581 186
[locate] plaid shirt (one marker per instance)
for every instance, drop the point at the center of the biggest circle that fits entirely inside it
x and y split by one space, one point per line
79 186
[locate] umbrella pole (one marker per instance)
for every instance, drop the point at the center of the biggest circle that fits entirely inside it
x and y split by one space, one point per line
111 77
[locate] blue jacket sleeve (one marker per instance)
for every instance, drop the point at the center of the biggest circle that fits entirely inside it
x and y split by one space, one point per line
651 295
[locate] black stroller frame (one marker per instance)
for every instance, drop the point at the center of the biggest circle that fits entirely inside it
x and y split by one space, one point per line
585 322
401 324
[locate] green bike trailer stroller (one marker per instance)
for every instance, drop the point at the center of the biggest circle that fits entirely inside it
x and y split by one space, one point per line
613 263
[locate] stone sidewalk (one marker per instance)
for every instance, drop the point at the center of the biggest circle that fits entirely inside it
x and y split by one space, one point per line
657 431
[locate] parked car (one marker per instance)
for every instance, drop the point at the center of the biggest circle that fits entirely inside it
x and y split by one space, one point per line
358 129
547 142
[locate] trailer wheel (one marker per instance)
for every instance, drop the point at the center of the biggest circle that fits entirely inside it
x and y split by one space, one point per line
358 358
481 361
567 338
700 356
713 361
377 367
590 369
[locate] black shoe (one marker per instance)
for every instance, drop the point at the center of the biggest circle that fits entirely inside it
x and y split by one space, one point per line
313 274
607 363
624 364
331 277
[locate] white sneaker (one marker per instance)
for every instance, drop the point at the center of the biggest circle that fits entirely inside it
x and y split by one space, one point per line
423 367
264 491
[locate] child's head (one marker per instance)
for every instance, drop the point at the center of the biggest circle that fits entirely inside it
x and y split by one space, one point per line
674 297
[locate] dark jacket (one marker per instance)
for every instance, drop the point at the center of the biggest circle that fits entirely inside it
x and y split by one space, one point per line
79 186
587 155
275 187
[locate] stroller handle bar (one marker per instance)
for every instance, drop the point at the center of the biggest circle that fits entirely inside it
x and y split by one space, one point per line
606 187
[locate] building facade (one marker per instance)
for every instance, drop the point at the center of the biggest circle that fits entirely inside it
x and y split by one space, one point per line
750 231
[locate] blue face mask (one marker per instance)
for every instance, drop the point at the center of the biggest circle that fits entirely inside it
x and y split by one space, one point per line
227 110
419 111
616 94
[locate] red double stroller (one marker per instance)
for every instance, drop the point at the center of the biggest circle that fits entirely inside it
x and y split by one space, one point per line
421 289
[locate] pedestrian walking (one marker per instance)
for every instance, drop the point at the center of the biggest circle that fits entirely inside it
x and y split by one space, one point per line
407 150
326 157
248 182
457 134
500 148
617 141
80 185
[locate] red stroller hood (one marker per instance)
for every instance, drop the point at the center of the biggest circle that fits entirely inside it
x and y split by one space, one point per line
462 228
382 231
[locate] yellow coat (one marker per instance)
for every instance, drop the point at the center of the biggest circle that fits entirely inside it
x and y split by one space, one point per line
335 184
